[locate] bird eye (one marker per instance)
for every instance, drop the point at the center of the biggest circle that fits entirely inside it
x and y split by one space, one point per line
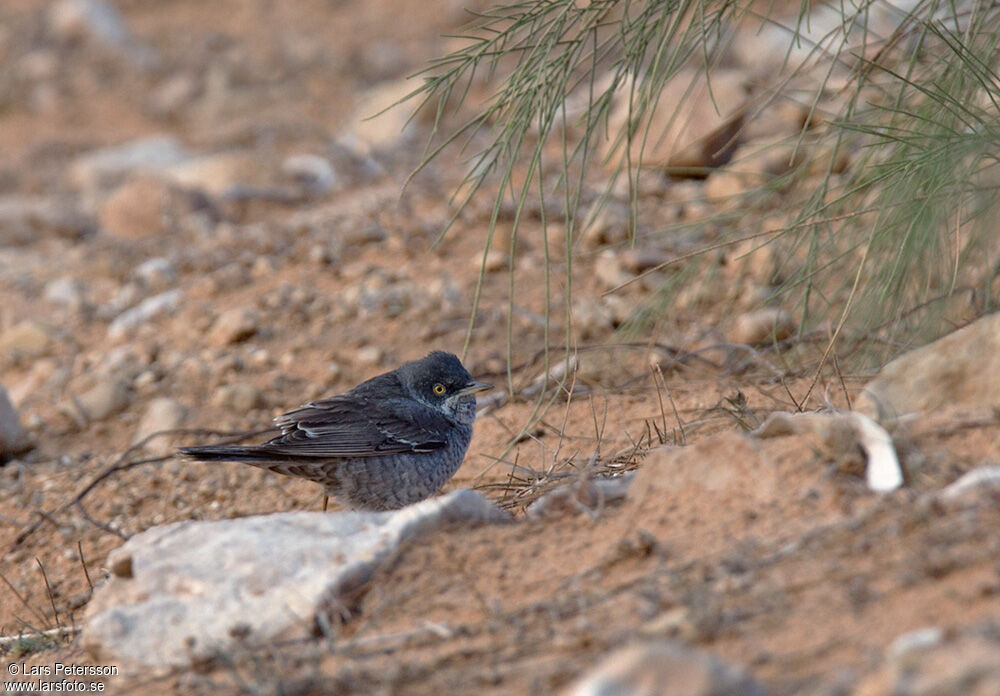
439 389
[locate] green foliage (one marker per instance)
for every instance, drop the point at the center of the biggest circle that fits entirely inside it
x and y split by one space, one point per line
877 250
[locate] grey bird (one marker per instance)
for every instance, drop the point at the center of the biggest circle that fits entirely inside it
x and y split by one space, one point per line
389 442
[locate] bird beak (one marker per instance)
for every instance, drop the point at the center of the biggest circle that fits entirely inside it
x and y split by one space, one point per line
473 387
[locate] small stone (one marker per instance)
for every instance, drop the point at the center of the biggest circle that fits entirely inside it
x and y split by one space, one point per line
156 272
172 95
137 209
26 339
13 439
99 22
370 355
609 271
591 317
233 326
239 398
102 401
65 291
312 173
762 327
496 260
109 166
161 414
379 121
144 312
215 174
665 668
980 478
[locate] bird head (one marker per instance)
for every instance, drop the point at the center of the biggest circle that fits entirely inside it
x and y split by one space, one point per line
442 382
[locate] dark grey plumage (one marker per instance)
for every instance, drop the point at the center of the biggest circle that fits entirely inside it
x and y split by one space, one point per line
389 442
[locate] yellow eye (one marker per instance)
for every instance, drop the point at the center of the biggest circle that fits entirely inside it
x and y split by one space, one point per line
439 389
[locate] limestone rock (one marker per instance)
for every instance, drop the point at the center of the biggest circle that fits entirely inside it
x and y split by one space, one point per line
197 590
960 369
665 668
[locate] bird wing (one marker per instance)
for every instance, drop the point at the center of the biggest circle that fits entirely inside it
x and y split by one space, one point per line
353 427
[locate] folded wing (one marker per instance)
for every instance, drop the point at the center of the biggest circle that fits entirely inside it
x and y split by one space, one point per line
355 427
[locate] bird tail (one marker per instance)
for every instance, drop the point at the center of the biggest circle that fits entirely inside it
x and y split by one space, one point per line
226 453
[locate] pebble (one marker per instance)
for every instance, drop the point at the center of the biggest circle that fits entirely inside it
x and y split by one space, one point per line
137 209
100 402
13 439
312 173
239 398
370 355
591 317
65 291
163 413
144 312
108 166
157 272
496 260
665 668
26 339
233 326
609 271
762 327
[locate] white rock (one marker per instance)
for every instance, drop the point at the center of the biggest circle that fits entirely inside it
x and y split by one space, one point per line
190 591
843 433
665 668
980 477
65 291
108 166
145 311
960 369
99 22
156 272
313 173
